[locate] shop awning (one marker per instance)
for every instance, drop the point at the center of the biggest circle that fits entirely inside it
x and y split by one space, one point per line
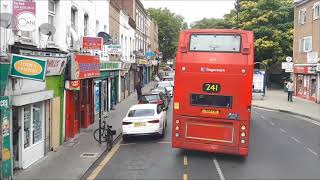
31 98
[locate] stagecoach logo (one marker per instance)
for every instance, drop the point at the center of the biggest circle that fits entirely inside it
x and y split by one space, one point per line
206 69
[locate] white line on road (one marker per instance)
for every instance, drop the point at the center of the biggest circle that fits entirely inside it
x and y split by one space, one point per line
296 140
218 169
262 117
270 110
127 144
271 123
312 151
307 120
282 130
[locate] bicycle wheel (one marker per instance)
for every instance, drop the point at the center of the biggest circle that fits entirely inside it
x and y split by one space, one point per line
96 135
109 141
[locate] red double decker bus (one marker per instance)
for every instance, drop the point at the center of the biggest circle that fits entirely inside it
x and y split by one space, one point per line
213 91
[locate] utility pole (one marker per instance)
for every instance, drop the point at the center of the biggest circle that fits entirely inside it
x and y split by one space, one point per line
237 7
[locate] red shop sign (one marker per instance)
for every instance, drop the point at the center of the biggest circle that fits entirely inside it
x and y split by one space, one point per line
94 43
84 66
73 85
301 70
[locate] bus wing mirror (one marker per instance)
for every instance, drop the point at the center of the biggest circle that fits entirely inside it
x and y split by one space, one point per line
246 48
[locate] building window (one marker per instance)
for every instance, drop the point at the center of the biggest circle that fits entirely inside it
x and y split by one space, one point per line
74 13
316 10
306 44
85 25
97 27
302 16
51 14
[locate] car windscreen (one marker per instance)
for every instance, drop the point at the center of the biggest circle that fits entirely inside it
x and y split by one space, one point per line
141 112
215 42
164 84
211 100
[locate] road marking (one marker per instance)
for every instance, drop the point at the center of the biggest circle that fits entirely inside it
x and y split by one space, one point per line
312 151
185 176
127 144
109 156
271 123
307 120
185 160
262 117
164 142
270 110
296 140
218 169
282 130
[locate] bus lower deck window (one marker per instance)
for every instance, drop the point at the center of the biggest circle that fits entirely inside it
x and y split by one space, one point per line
211 100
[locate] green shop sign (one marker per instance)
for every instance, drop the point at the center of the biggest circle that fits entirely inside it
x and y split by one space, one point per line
5 116
29 68
4 71
110 65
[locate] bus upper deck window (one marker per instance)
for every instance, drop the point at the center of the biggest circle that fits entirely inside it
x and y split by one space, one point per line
215 43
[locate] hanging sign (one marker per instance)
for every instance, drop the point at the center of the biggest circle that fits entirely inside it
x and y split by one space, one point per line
24 15
72 85
28 67
84 66
94 43
55 66
114 49
5 116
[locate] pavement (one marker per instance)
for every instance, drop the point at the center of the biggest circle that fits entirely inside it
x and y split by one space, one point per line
77 155
281 147
277 100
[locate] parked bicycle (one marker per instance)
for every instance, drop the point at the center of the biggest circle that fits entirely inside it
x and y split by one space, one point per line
106 134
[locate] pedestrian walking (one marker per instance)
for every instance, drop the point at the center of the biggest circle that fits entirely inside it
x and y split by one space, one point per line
138 88
290 90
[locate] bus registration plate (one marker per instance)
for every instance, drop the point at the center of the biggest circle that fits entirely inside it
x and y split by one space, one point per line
210 111
211 87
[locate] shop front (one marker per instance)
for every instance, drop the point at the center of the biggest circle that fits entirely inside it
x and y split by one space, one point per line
30 104
110 74
79 92
125 80
307 82
132 77
143 71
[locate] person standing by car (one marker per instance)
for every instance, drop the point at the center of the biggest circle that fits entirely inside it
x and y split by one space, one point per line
290 90
139 88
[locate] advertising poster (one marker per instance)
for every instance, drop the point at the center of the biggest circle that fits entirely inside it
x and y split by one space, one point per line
5 116
258 81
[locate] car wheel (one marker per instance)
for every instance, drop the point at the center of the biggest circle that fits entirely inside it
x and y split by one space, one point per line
125 138
163 131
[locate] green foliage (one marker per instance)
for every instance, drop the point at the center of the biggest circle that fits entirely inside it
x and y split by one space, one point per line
271 21
169 25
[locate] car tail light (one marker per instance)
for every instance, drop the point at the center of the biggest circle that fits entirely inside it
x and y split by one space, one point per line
154 121
126 123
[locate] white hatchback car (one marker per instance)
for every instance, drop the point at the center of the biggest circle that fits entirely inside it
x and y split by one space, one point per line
144 119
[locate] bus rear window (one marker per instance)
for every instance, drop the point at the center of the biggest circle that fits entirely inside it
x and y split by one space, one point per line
215 43
211 100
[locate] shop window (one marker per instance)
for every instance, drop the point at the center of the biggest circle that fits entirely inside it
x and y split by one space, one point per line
313 87
27 125
300 84
37 123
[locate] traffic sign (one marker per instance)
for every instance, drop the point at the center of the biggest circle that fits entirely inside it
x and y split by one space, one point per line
289 59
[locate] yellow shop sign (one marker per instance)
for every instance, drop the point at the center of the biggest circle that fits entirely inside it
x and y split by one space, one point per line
28 67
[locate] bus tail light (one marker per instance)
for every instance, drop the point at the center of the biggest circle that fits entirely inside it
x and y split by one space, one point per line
183 49
249 108
177 134
243 127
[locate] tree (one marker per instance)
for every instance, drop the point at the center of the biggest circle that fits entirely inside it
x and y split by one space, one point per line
210 23
169 26
270 20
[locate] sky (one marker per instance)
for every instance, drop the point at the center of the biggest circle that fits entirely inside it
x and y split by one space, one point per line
193 10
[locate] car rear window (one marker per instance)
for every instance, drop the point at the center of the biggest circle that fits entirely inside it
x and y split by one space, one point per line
141 112
151 97
211 100
168 79
164 84
215 42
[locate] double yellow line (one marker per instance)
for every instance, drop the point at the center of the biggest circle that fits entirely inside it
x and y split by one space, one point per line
105 161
